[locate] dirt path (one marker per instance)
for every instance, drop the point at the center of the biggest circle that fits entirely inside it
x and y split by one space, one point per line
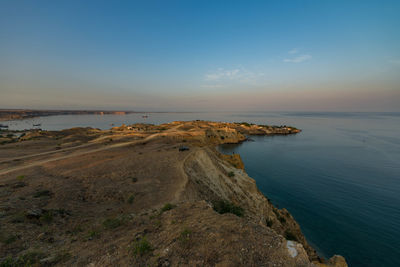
46 153
40 162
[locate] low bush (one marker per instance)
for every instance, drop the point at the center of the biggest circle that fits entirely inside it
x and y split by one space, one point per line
42 193
167 207
47 216
112 223
185 236
290 236
29 259
223 206
92 234
141 247
131 198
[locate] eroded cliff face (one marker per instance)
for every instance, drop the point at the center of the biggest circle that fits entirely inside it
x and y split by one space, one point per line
213 176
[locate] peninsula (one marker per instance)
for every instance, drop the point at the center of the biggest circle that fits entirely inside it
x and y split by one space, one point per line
142 195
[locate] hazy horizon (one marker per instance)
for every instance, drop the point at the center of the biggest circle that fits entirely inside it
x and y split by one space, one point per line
201 55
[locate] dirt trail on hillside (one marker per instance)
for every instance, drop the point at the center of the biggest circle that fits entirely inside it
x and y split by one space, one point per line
40 162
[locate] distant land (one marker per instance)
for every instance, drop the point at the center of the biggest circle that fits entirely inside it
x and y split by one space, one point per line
19 114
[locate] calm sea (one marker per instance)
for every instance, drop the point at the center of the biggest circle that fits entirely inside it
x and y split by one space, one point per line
339 178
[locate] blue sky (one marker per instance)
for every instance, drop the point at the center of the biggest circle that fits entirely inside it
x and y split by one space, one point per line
201 55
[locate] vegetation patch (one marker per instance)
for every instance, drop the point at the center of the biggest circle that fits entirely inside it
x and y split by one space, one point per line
223 206
231 174
47 216
290 236
185 237
42 193
112 223
92 234
8 239
29 259
167 207
62 256
140 247
18 218
131 198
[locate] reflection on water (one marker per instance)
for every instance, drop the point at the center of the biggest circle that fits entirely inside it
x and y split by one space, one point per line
339 177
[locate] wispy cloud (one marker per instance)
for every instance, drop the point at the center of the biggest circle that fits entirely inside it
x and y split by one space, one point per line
226 77
293 51
222 74
298 59
238 74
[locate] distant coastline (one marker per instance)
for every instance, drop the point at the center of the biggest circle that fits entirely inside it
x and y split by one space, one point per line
19 114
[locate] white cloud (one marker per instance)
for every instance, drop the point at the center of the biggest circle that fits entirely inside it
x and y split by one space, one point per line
298 59
293 51
222 74
230 75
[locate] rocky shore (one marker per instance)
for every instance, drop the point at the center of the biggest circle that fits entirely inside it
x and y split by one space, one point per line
132 196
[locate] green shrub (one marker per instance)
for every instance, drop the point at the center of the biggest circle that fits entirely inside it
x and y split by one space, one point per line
9 239
184 237
93 234
18 218
42 193
62 256
290 236
167 207
47 216
112 223
131 198
141 247
276 213
231 174
28 259
222 207
269 223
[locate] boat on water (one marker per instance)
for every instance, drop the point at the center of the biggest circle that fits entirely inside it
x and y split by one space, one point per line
36 125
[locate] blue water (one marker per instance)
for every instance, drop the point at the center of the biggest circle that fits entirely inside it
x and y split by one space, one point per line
339 178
